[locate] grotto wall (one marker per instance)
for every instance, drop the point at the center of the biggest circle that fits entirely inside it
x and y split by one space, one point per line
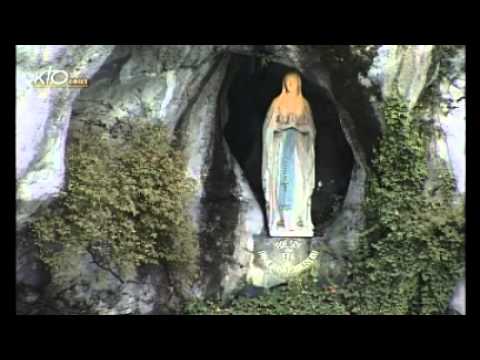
42 119
411 70
185 87
451 116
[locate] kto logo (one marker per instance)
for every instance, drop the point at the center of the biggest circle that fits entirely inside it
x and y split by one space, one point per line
52 78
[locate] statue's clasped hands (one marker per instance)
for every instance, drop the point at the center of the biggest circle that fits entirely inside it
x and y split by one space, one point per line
285 124
291 123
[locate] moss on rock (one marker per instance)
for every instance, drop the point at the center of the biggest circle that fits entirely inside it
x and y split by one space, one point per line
125 206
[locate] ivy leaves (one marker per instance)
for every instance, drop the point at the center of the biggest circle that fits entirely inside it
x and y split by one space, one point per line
410 260
303 297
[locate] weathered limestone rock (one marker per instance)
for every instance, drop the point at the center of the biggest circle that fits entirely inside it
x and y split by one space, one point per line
457 304
343 233
451 116
154 82
402 68
42 121
43 117
197 128
91 287
250 225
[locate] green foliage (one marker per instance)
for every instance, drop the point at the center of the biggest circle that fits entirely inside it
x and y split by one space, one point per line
302 297
443 55
413 251
125 204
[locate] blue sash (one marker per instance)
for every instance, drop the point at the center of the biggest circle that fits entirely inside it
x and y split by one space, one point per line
287 171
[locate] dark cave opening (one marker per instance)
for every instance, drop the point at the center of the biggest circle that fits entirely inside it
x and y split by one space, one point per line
253 86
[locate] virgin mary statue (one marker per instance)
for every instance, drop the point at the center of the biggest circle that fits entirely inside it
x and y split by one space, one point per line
288 162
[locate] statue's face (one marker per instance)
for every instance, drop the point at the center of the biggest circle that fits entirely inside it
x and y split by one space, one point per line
291 84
